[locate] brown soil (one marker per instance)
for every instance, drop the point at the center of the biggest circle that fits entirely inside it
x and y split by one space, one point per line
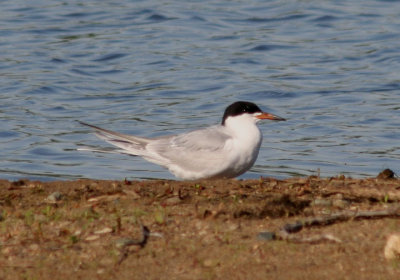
91 229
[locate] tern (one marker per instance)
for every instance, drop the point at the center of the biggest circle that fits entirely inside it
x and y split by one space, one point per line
226 150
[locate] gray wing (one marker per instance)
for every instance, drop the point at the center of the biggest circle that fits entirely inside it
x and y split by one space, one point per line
196 150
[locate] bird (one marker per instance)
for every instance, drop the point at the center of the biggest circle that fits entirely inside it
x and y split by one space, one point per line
225 150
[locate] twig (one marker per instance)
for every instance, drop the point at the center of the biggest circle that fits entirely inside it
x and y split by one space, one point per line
340 217
130 242
368 193
285 233
313 239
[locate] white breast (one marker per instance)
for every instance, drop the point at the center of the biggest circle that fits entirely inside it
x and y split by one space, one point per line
245 144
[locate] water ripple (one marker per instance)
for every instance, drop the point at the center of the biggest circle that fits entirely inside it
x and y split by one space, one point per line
144 68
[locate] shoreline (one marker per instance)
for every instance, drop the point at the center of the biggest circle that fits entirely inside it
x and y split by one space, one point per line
195 230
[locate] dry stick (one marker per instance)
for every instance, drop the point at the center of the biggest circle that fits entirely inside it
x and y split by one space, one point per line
313 239
377 194
285 232
342 216
141 243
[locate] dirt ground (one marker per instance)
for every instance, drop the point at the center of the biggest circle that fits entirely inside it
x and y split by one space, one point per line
91 229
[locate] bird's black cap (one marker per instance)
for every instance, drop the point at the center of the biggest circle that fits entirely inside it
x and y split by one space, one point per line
240 107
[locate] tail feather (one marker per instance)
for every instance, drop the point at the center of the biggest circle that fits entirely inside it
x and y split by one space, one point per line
106 151
128 144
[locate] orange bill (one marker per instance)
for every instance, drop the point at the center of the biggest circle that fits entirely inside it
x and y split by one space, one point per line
268 116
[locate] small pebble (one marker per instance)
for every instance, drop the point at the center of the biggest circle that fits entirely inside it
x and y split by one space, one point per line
92 237
386 174
392 248
340 203
6 251
322 202
54 197
293 227
232 227
209 263
103 231
34 247
266 235
172 201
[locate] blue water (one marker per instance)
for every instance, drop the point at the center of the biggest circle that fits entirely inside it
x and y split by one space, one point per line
150 68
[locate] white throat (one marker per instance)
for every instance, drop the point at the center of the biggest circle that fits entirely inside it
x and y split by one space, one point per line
243 126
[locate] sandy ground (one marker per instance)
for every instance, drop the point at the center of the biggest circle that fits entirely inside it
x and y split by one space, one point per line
220 229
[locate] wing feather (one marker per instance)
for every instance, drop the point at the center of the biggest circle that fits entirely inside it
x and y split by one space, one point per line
187 150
